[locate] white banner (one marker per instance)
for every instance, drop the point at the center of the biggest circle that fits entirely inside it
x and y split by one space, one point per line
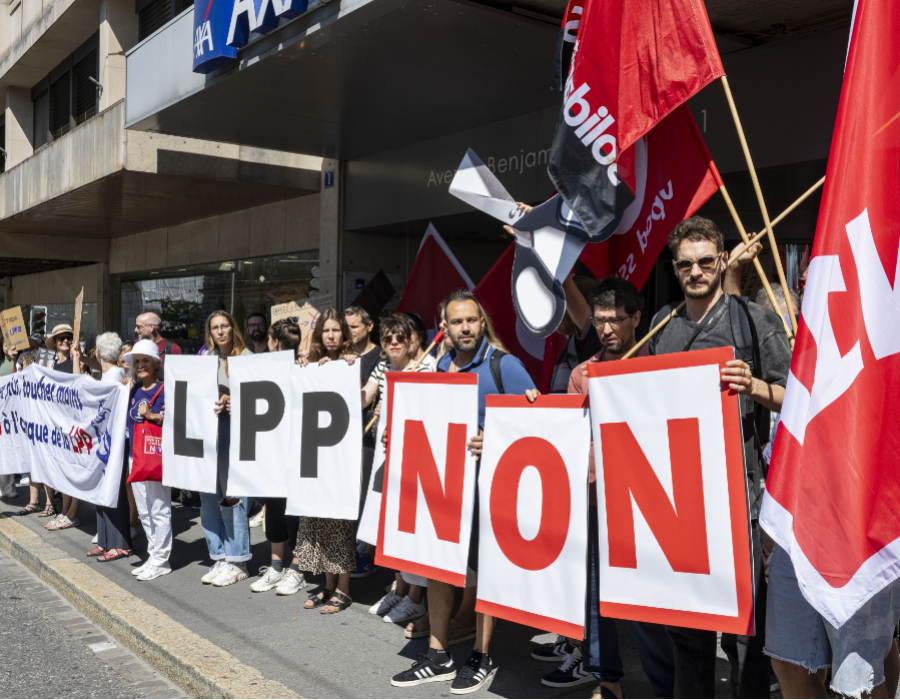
191 425
533 501
261 399
368 522
325 462
672 503
429 489
69 430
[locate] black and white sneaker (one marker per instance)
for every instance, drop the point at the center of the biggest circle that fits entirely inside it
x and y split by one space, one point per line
425 670
555 651
570 674
477 673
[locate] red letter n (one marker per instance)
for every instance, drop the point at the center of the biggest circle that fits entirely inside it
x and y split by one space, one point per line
680 530
444 501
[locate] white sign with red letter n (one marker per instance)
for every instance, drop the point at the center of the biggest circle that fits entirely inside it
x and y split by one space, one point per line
533 499
429 479
672 502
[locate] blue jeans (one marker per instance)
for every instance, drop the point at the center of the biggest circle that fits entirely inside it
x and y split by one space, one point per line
226 527
600 648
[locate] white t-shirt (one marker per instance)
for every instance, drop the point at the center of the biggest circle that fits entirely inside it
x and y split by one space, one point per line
113 375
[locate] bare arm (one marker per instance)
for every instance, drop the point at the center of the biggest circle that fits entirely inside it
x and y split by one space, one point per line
369 392
732 282
576 305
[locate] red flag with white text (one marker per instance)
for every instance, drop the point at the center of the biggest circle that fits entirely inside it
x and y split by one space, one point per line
435 274
833 483
675 175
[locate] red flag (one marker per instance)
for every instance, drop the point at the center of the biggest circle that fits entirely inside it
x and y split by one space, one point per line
435 274
833 485
495 294
565 43
675 176
635 61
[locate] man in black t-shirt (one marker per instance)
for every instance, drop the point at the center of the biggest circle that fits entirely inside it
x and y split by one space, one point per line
706 321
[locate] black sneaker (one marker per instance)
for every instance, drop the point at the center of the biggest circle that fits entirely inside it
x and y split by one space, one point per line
556 651
570 674
478 672
425 671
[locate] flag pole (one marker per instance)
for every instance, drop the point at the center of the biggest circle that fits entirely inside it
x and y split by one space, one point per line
762 204
776 307
437 339
738 253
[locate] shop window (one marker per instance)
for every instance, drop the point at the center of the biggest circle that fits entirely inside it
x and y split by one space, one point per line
60 106
153 16
42 319
184 297
41 119
85 102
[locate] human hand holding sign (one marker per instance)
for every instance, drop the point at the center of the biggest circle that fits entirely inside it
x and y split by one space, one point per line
739 378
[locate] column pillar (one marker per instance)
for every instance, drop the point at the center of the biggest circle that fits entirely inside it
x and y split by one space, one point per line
19 125
330 228
118 33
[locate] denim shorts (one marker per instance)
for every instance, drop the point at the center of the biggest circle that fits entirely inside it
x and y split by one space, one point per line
798 634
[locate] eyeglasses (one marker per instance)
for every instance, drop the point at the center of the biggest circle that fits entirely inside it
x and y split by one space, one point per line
255 325
707 263
388 337
613 322
223 327
143 325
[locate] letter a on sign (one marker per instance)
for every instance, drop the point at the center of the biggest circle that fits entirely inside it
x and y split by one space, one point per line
533 497
429 479
672 518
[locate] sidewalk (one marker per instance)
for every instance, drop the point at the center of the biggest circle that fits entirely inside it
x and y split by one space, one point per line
349 654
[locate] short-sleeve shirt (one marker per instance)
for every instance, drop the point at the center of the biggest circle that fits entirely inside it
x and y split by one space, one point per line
140 398
64 366
224 384
379 375
775 361
580 347
516 379
173 350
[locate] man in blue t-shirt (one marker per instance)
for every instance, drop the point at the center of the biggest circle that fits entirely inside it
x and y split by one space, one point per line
474 344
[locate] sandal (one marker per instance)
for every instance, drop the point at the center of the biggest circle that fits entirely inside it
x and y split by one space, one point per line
419 628
96 552
604 692
317 602
48 511
29 509
343 602
457 634
114 554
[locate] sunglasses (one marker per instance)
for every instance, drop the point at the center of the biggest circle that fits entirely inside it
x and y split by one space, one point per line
399 337
64 338
707 263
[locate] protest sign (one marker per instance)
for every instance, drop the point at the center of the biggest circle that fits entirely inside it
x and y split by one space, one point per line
190 429
76 326
429 480
284 295
673 520
69 430
324 464
305 311
260 423
14 329
533 498
46 357
368 521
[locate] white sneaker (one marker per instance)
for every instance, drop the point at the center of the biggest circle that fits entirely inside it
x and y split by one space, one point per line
292 582
25 481
140 569
257 520
96 539
231 574
405 611
270 579
152 572
386 604
213 572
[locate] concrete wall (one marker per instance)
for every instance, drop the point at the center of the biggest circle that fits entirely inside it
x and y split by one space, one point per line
62 286
282 227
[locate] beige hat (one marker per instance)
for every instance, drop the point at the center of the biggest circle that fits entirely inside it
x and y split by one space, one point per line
58 330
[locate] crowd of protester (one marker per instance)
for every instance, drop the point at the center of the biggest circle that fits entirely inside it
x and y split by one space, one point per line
794 647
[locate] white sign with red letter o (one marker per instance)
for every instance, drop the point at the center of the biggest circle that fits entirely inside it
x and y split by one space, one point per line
533 500
672 503
429 479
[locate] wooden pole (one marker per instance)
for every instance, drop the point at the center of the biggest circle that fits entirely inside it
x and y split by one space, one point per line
776 307
437 339
731 262
762 204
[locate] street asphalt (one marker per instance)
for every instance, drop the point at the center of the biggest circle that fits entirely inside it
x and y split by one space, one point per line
49 650
350 654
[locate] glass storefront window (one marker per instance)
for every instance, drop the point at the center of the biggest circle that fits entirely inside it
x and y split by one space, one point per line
184 296
40 319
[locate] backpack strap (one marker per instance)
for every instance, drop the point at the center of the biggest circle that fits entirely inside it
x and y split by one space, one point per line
746 340
167 348
496 374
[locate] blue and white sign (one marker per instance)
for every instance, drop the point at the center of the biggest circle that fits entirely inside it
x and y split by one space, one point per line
221 27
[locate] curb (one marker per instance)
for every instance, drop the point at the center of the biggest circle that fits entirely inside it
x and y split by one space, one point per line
191 661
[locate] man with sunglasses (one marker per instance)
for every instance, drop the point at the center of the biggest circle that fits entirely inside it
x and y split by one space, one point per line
711 318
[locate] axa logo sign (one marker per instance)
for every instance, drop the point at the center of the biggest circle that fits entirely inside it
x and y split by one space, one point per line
221 27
